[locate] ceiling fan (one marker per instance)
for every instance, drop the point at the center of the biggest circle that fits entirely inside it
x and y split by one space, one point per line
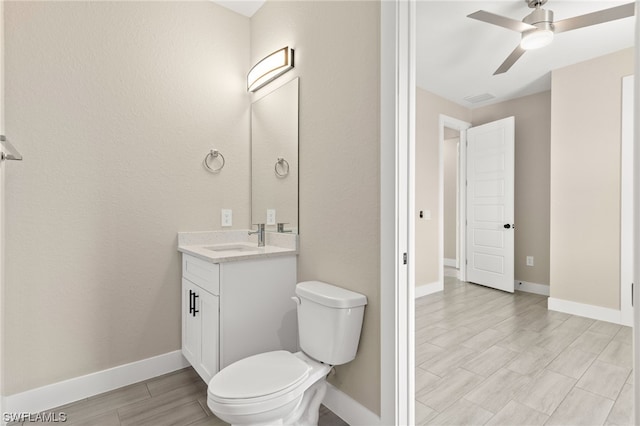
538 27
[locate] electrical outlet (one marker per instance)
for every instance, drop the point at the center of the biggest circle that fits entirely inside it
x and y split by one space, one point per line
271 216
226 217
529 260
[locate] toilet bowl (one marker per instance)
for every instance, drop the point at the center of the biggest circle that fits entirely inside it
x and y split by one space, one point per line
284 388
272 388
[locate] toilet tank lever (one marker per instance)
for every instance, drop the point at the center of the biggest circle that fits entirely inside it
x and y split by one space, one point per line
297 300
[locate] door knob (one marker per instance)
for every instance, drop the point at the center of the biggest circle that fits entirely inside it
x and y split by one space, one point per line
507 226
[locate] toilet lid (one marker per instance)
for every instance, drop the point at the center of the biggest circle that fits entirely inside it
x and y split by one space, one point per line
259 375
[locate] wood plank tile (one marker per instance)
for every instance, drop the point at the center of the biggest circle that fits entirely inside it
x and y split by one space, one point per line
180 415
604 379
591 342
484 340
453 387
618 353
212 421
581 408
426 351
140 411
463 412
576 323
603 327
106 402
625 335
424 380
546 392
489 361
423 413
532 361
515 413
448 360
622 412
495 393
452 338
558 339
520 340
108 419
172 381
572 362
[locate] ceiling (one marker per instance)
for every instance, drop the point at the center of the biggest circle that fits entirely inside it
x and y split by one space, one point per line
243 7
457 56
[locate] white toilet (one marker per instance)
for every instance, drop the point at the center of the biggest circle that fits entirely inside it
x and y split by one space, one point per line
284 388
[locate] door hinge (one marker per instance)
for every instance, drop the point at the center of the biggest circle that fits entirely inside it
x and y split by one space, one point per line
404 258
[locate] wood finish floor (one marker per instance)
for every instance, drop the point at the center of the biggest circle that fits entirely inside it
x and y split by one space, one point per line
178 398
482 357
488 357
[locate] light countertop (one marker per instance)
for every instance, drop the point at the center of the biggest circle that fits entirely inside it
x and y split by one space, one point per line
230 246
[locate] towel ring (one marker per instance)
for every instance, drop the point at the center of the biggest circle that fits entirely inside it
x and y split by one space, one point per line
212 155
285 170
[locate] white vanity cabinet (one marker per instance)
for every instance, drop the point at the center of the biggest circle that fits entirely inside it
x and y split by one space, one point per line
234 309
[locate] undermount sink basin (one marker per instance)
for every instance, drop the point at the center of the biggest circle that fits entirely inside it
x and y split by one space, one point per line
234 248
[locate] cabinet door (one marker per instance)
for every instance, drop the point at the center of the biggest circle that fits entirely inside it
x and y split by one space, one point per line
191 324
209 333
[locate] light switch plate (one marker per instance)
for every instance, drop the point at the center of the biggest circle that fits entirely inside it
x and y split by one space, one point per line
271 216
226 216
529 260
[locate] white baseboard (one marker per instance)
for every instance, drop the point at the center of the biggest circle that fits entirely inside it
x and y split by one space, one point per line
450 262
348 409
425 289
531 287
65 392
584 310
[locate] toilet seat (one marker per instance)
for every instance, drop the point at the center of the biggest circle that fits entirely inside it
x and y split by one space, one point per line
259 383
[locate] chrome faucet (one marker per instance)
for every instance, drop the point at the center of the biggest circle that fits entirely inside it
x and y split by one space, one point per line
260 232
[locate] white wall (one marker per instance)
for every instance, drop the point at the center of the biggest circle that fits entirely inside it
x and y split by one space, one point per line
114 106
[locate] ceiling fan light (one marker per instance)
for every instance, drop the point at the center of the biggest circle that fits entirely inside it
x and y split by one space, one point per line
536 39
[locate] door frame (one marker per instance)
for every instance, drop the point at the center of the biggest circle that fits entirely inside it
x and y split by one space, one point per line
397 216
2 217
461 127
626 202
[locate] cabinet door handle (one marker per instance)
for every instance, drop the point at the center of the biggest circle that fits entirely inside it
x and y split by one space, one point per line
191 301
195 310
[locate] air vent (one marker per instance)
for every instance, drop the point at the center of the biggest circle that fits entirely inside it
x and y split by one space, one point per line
479 98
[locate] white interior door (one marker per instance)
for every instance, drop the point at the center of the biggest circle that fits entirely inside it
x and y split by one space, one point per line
490 198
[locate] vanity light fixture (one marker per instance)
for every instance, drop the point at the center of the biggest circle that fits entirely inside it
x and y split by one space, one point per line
270 68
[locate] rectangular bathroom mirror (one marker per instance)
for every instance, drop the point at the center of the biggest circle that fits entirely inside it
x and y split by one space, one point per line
274 159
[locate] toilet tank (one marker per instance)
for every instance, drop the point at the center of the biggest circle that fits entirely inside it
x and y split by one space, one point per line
329 321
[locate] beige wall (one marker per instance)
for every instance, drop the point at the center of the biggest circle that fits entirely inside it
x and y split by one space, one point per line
450 197
337 55
428 109
532 146
114 106
585 180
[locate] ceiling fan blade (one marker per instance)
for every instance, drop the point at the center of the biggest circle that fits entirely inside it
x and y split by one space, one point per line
594 18
501 21
511 59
